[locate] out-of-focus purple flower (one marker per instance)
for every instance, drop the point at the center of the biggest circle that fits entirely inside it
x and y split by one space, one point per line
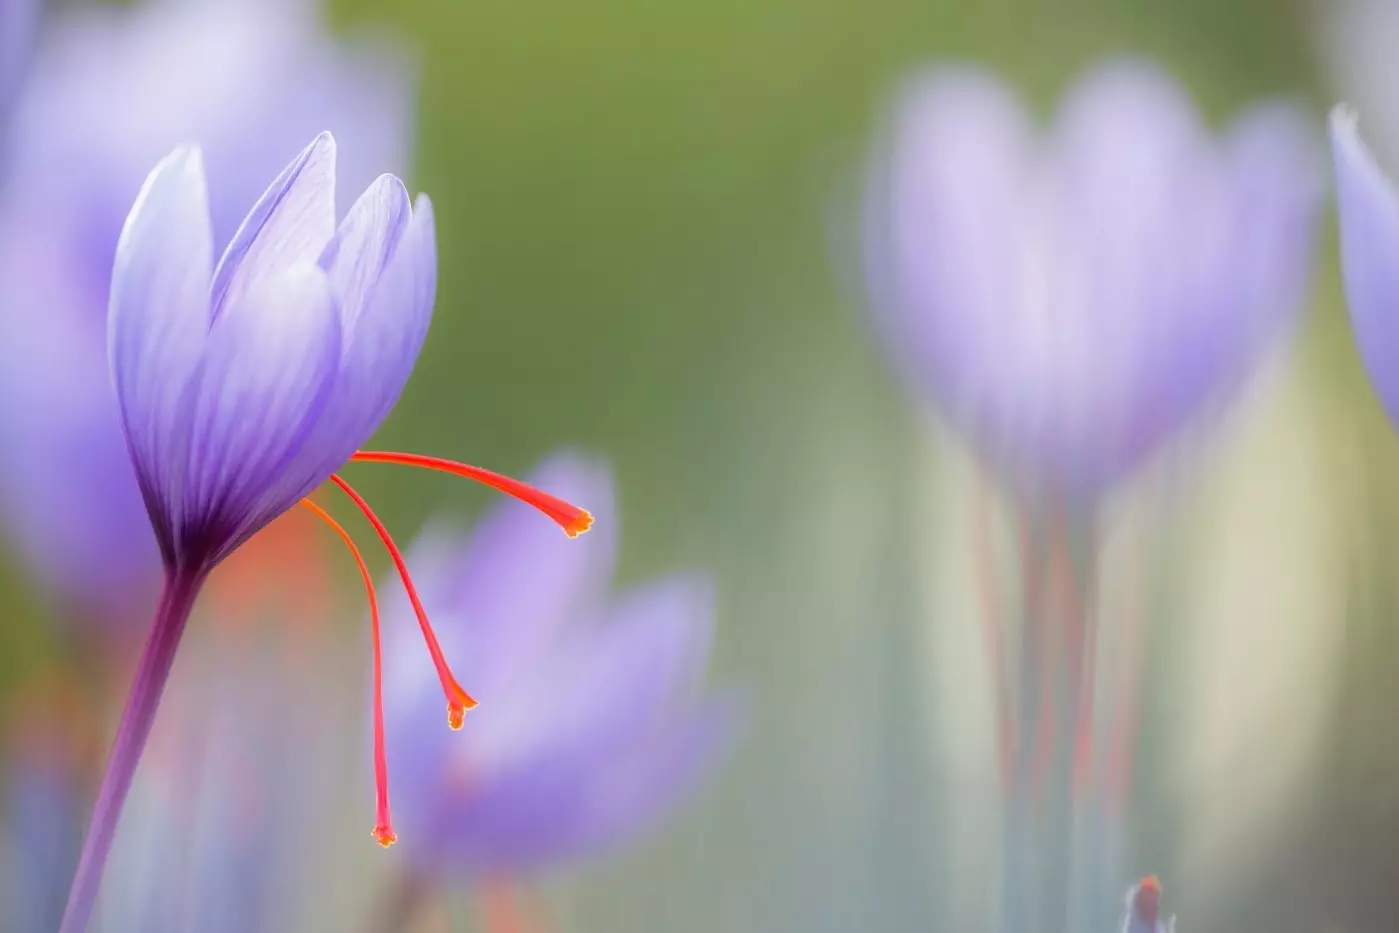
1143 914
1368 205
110 92
17 21
593 720
242 387
1070 301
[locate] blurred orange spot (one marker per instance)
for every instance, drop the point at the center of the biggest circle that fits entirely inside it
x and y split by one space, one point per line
281 572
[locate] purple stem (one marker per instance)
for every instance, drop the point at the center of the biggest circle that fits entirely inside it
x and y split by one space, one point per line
176 601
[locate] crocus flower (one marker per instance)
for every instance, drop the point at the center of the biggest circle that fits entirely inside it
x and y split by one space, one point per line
110 92
541 780
1369 215
1144 909
1069 302
244 385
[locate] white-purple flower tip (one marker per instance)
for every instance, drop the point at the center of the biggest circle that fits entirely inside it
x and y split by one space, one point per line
243 386
1368 205
1070 298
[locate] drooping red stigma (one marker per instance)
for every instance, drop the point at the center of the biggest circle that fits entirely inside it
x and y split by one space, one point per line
572 519
383 824
458 700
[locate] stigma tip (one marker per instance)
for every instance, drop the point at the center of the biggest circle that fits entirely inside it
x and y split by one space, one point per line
384 836
577 526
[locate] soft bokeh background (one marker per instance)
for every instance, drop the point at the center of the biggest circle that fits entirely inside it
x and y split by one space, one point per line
643 219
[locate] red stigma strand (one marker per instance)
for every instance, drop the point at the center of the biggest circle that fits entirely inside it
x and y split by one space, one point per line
383 825
458 700
573 520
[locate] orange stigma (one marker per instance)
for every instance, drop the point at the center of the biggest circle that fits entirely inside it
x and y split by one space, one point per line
383 827
573 520
458 700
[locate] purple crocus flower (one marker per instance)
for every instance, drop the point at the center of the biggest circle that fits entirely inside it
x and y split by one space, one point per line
109 93
243 386
1369 216
596 719
1070 301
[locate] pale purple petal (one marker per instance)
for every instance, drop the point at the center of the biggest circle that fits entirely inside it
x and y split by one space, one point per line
365 244
375 264
159 317
945 213
544 816
272 361
622 672
621 798
289 226
1369 216
1130 189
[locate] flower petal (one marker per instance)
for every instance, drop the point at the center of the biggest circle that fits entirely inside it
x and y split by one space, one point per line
271 364
620 800
624 672
364 246
290 225
945 209
1369 217
384 266
158 318
548 813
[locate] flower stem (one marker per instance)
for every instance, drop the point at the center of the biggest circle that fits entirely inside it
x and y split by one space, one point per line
176 601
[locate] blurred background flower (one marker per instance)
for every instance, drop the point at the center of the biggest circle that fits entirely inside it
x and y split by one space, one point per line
635 209
1072 302
110 93
591 722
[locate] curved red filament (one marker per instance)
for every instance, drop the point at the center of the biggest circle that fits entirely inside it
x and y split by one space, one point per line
573 520
458 700
383 824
